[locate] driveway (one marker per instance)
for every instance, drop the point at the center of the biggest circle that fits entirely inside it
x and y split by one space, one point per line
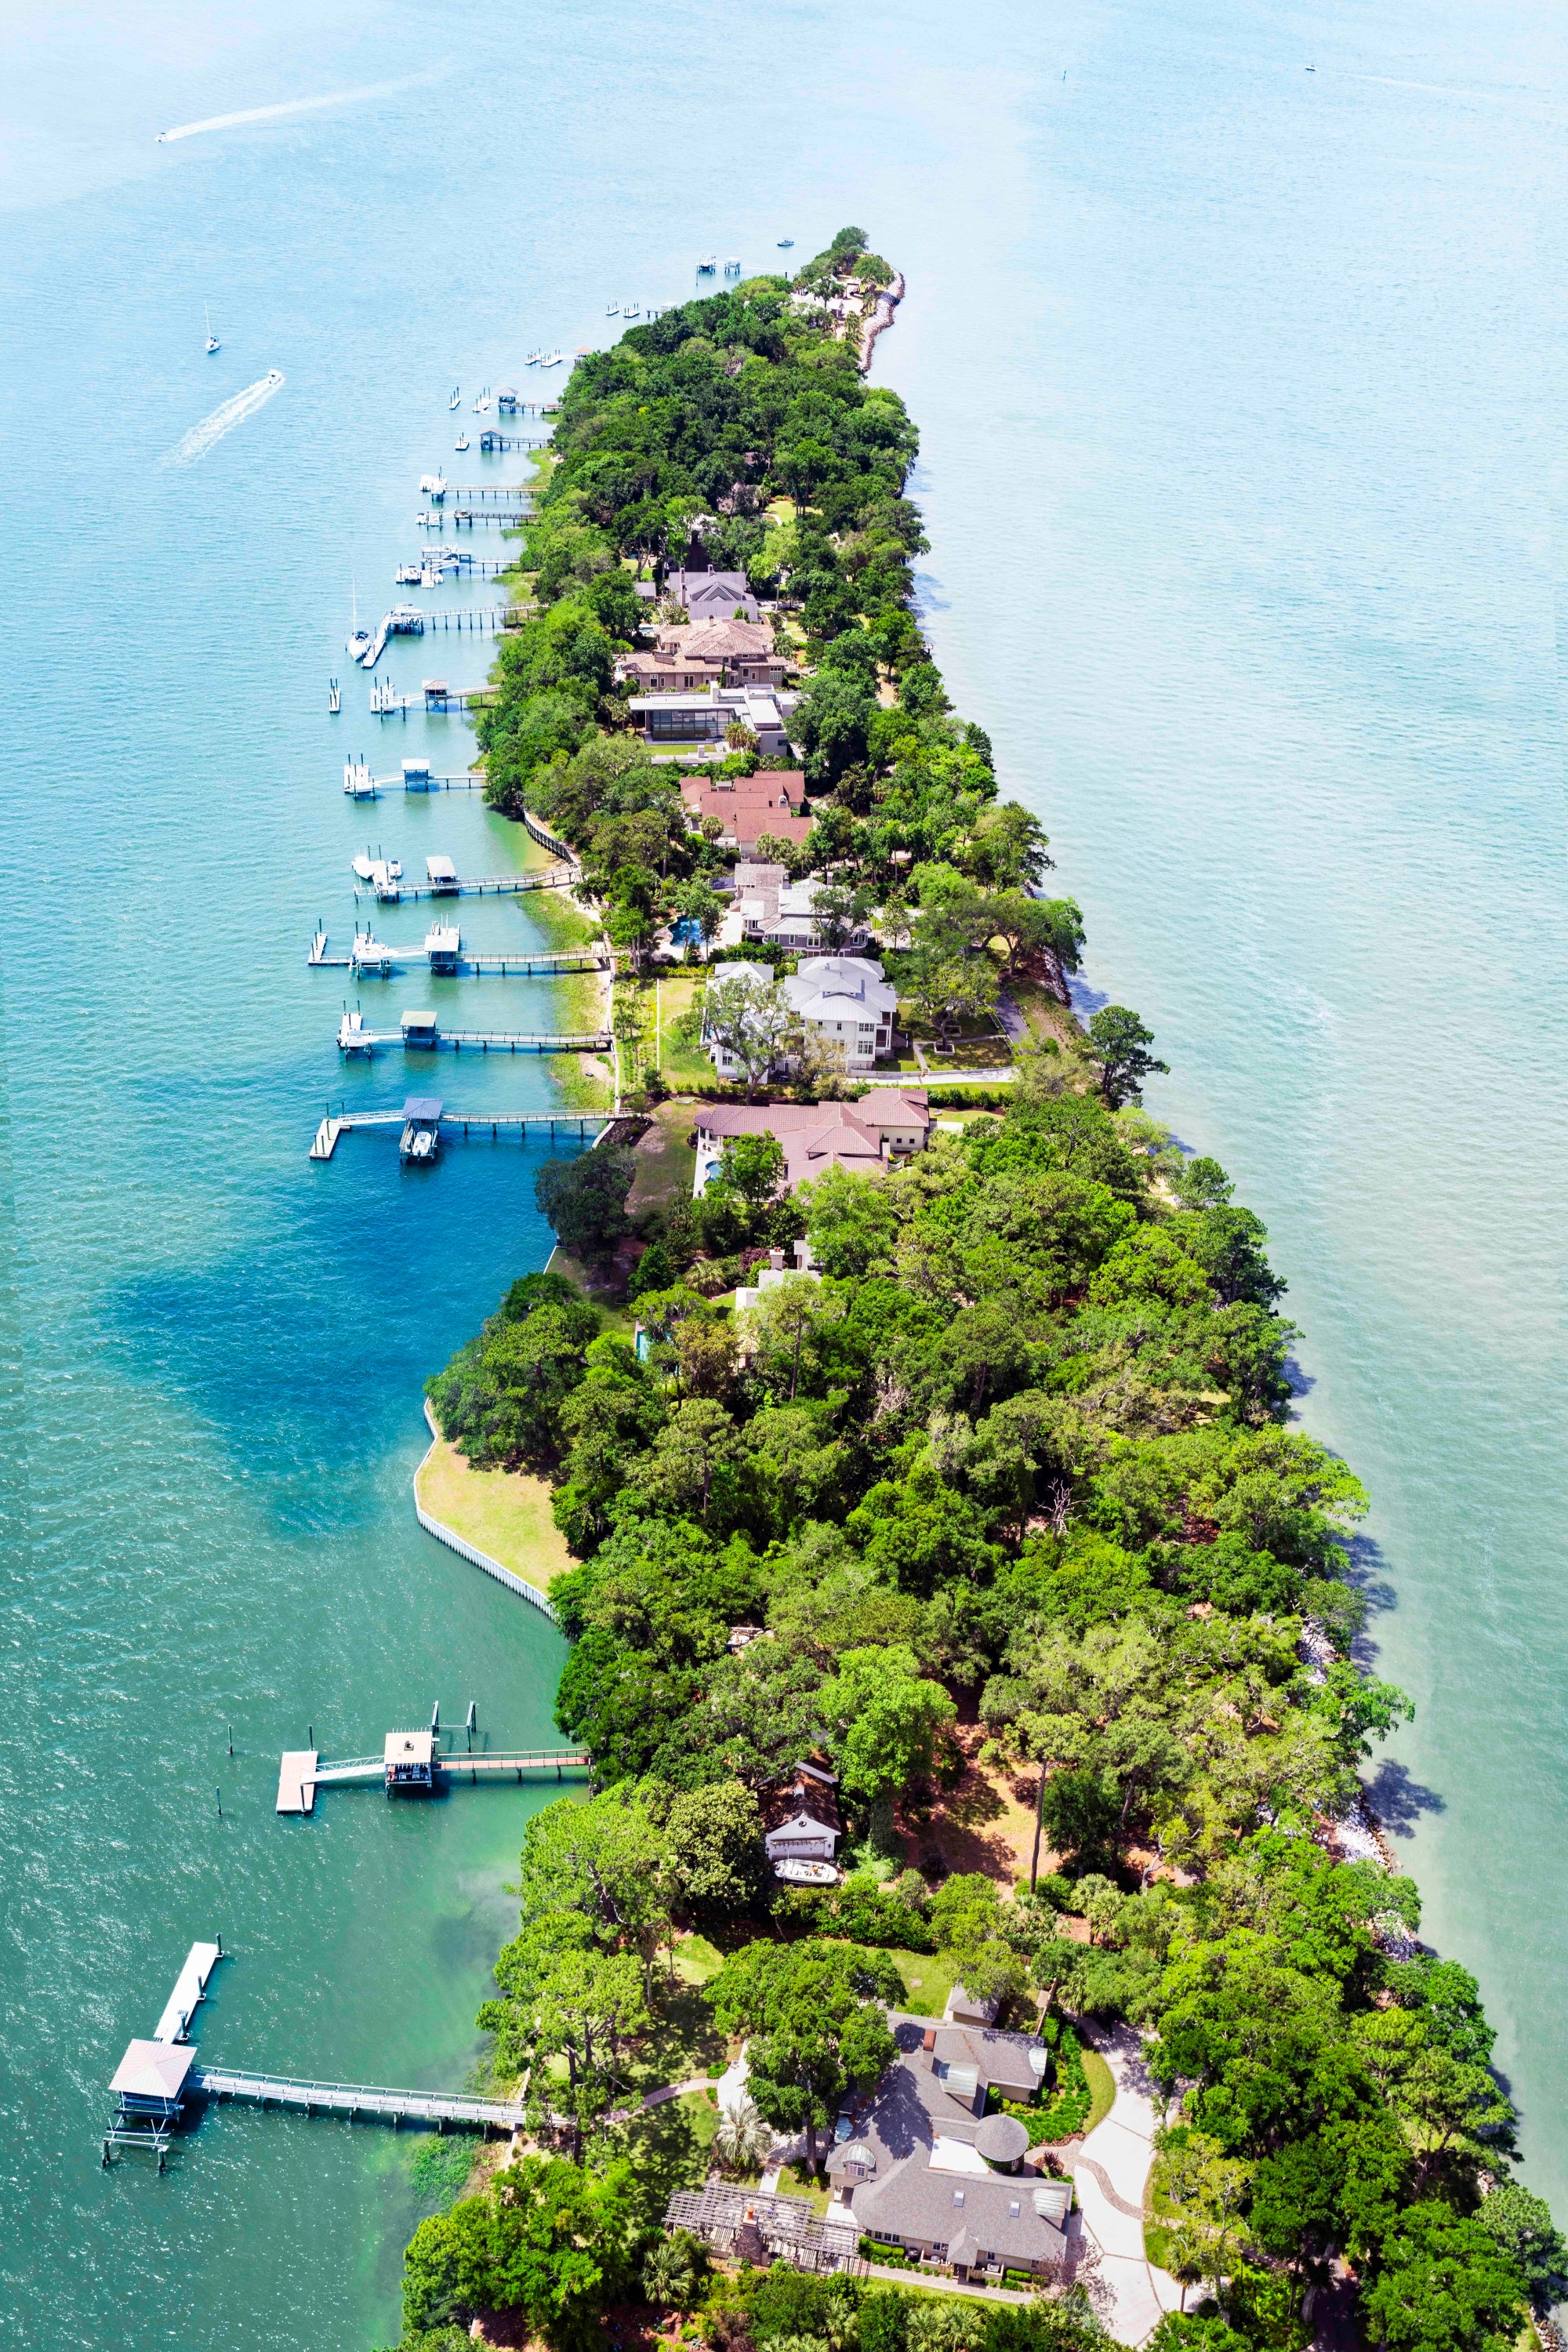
1110 2177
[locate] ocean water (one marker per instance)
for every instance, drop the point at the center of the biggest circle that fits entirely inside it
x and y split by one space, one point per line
1240 390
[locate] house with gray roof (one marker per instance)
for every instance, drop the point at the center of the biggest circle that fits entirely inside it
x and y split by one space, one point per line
926 2169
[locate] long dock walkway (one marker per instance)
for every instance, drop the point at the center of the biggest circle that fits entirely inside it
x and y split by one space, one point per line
354 2100
500 1041
512 966
302 1771
479 886
331 1128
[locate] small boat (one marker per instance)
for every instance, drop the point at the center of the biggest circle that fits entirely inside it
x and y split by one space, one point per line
483 404
456 395
351 1037
363 868
213 344
784 244
554 360
533 359
434 486
359 642
408 575
461 442
630 310
611 309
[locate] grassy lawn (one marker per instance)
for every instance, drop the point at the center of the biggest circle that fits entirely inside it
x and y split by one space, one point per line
684 2041
929 1981
696 1959
1102 2082
1049 1018
614 1316
505 1512
665 1162
801 2183
670 2145
563 923
681 1065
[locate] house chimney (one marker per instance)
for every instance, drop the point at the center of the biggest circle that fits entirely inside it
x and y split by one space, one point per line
775 1261
928 2045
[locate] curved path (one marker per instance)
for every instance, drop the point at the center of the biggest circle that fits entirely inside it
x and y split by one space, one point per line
1110 2177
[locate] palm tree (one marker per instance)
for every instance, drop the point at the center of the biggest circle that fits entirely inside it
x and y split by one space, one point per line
670 2272
742 2141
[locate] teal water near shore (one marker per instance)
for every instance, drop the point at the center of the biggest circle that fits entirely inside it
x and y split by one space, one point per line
1240 396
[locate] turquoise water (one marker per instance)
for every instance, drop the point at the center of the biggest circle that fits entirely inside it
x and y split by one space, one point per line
1240 396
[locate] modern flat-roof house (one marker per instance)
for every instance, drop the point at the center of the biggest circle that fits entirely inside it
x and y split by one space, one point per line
802 1818
925 2168
887 1122
699 719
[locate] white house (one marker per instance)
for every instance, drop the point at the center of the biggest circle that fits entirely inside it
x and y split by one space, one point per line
845 1001
802 1816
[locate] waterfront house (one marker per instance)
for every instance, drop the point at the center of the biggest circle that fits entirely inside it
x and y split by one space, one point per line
742 650
694 721
747 807
925 2170
713 595
889 1122
843 1001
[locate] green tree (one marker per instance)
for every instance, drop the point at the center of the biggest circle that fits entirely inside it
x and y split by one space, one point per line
605 1862
1119 1044
753 1020
1522 2225
751 1167
811 2010
546 2240
1444 2285
887 1718
714 1840
586 1197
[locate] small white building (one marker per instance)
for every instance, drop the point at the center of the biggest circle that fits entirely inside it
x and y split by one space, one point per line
804 1820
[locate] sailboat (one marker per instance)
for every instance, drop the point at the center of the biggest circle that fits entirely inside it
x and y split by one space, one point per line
359 639
213 344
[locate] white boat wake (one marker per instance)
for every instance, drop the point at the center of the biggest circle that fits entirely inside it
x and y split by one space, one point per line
293 105
211 430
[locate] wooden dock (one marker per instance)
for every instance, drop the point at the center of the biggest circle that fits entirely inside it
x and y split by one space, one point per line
504 967
481 886
455 1122
301 1770
357 2101
430 1040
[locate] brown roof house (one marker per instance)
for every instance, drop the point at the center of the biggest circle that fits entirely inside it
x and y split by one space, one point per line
771 800
926 2169
815 1137
803 1824
742 650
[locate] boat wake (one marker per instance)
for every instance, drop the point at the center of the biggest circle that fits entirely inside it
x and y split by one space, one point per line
211 430
295 106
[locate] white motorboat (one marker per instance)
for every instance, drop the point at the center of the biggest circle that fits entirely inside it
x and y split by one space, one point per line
408 575
483 404
630 310
359 642
461 443
611 309
433 486
213 344
784 244
363 868
807 1874
351 1037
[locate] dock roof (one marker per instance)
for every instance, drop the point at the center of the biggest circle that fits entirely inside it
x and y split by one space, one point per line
423 1107
154 2070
